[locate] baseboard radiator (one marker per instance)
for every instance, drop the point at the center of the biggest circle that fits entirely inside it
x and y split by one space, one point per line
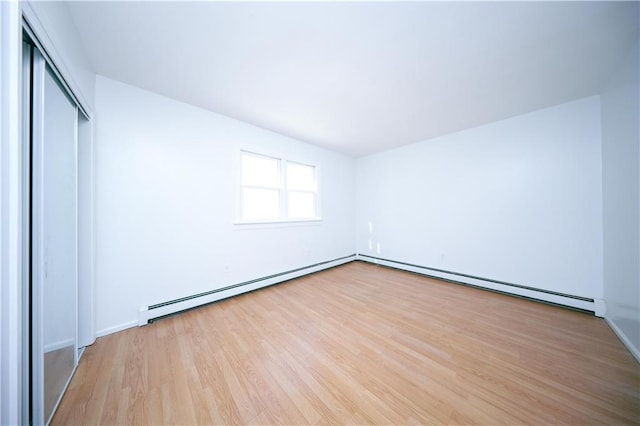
595 306
158 310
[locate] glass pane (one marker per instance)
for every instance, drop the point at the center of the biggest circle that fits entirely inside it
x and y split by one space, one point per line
260 204
301 177
58 241
260 171
302 205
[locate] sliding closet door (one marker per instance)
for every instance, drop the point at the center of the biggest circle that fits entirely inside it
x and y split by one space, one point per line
54 241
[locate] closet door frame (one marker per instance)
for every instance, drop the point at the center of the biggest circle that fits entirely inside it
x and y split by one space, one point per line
36 37
35 33
37 272
26 231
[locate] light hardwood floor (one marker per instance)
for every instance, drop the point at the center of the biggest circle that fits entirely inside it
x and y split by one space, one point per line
360 344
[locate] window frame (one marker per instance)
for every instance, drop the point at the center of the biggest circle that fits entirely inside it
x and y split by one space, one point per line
283 189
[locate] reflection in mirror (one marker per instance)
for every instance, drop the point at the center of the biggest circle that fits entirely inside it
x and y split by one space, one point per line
58 241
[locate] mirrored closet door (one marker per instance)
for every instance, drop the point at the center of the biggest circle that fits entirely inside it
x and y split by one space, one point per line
53 123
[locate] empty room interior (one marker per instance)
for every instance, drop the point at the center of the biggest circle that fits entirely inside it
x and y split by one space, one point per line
320 212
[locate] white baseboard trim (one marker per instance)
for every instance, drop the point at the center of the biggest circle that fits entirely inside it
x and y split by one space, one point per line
59 345
511 289
623 337
116 328
158 310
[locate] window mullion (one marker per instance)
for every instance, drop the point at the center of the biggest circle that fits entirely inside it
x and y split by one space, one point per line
273 188
284 193
303 191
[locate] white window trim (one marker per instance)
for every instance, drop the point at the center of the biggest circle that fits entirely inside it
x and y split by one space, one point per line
284 192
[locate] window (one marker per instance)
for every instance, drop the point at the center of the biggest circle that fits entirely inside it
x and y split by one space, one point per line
275 190
260 188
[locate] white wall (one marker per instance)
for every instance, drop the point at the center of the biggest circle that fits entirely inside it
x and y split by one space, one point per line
86 241
56 30
164 204
621 188
519 200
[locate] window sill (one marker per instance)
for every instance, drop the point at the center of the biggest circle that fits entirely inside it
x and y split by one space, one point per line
284 223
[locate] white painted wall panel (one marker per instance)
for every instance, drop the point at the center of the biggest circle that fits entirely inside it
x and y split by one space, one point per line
164 204
86 251
621 186
519 200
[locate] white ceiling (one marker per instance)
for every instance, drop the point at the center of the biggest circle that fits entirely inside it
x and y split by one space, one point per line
360 77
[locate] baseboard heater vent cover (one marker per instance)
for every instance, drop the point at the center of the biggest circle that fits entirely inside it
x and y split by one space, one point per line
580 303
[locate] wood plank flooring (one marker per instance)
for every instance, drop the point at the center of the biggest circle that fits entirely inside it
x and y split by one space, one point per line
360 344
